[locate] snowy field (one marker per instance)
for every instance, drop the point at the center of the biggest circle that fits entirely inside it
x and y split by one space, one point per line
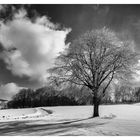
114 120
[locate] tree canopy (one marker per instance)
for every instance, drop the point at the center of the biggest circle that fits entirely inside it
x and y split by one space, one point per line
94 60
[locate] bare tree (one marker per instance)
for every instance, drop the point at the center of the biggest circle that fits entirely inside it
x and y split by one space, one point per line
93 60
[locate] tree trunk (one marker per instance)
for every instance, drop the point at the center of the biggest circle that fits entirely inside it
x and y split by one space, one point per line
96 107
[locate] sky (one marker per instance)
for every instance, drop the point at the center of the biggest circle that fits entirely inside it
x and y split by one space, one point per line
32 36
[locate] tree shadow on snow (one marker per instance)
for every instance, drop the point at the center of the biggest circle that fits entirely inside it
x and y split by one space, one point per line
23 128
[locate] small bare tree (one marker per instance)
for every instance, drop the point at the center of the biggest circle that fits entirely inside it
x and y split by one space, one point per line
93 60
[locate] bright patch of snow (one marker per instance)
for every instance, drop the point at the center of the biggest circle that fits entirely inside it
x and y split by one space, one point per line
22 114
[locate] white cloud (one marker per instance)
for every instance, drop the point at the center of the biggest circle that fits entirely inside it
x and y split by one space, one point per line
37 43
8 90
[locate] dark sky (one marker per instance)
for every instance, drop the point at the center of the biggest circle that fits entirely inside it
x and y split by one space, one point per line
123 19
86 17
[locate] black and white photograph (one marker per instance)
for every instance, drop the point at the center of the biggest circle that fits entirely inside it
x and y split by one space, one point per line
69 69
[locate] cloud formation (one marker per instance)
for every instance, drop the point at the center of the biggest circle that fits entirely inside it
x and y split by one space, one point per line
8 90
31 46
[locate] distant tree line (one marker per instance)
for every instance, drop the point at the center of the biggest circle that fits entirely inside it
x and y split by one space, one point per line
46 96
73 95
126 94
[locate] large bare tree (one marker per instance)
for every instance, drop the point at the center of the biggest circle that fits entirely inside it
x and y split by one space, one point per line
93 60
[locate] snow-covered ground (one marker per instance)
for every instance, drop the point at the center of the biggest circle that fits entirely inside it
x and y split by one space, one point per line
9 115
71 120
